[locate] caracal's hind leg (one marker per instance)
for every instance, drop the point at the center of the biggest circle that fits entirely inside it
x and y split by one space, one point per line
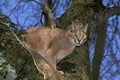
46 70
41 64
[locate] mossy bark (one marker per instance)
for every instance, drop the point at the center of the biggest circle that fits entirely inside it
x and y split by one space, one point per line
80 11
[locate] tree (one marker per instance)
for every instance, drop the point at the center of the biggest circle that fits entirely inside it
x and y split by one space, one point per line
81 67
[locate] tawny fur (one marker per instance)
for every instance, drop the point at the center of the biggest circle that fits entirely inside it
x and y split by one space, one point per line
52 44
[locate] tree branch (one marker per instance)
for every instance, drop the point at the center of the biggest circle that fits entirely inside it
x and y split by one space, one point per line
48 12
112 11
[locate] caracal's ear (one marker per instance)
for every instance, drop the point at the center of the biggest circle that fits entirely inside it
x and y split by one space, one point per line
85 28
72 27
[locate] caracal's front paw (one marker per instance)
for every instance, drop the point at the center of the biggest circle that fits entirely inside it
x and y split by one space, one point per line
61 72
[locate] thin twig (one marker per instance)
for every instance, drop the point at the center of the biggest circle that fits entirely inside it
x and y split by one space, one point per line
22 1
14 9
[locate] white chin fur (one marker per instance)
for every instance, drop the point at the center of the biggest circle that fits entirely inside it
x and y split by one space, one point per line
77 44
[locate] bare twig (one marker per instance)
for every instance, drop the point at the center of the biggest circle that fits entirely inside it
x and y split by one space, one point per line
56 6
14 8
110 66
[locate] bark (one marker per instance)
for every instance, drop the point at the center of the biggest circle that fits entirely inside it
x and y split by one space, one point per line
99 50
80 56
47 11
102 16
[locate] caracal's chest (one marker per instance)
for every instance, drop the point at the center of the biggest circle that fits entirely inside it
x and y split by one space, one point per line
61 49
62 54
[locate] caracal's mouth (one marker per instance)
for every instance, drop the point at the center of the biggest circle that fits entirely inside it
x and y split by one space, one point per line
76 41
79 42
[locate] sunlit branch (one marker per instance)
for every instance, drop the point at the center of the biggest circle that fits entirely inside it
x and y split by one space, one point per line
22 43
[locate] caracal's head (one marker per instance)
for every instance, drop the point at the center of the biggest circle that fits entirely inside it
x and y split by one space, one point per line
77 35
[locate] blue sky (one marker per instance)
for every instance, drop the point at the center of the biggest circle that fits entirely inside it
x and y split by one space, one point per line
25 15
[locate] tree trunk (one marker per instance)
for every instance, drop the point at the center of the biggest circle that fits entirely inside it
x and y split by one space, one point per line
99 50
